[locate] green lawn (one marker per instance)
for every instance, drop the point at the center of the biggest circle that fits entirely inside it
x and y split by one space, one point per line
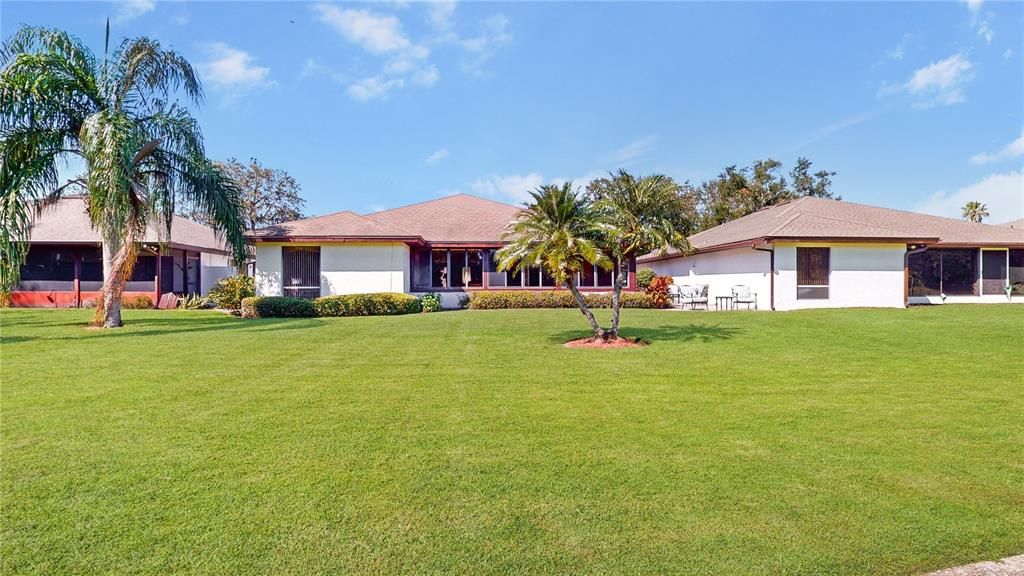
819 442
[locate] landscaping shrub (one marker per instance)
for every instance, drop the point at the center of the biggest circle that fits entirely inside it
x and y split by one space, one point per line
193 301
657 289
503 299
380 304
644 277
140 302
229 292
277 307
430 302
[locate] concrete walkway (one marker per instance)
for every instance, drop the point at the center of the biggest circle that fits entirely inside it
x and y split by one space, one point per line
1012 566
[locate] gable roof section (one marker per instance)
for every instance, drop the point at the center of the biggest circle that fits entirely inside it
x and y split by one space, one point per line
821 219
456 218
1016 224
339 225
67 222
460 218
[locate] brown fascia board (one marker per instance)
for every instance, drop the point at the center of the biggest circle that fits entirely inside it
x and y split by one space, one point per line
354 239
755 242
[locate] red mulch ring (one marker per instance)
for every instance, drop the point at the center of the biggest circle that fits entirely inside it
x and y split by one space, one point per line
595 342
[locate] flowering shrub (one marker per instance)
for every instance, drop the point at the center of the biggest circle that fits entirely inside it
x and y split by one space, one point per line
503 299
657 289
430 302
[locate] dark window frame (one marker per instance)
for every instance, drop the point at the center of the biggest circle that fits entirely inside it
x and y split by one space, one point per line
813 272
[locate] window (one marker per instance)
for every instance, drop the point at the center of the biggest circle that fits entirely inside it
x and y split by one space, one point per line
49 263
475 264
301 266
439 268
421 269
812 271
1017 272
925 270
960 272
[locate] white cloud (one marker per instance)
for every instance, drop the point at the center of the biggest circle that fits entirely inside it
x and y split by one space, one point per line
131 9
426 76
479 49
973 5
833 128
232 68
437 156
440 14
1003 194
940 82
900 50
373 87
375 33
515 187
633 151
979 21
1012 150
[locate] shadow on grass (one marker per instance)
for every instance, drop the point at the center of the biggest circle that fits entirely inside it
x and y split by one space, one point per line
655 334
143 327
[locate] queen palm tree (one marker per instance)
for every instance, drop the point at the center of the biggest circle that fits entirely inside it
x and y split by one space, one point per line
143 151
975 211
557 232
638 215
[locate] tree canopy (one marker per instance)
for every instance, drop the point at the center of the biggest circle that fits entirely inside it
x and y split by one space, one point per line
268 195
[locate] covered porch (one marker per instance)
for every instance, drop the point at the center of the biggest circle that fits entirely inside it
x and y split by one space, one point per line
965 274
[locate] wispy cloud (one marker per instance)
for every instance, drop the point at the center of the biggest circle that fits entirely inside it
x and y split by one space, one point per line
835 127
1001 193
232 69
131 9
1007 54
437 156
516 187
900 50
633 151
938 83
980 21
1012 150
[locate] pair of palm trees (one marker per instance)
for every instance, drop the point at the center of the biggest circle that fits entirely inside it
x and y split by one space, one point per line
142 149
562 230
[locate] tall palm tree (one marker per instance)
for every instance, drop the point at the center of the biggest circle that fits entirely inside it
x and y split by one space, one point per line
143 150
556 231
975 211
638 215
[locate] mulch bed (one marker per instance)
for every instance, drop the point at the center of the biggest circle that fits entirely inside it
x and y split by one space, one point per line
594 342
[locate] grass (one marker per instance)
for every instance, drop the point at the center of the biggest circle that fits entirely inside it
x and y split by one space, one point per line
817 442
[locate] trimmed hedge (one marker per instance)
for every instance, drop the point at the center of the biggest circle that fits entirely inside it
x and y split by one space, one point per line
277 307
380 304
502 299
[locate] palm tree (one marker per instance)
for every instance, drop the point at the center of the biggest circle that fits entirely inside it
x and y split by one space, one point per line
556 231
975 211
143 151
638 216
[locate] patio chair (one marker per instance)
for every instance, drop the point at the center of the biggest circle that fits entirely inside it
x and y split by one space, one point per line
741 294
678 294
700 297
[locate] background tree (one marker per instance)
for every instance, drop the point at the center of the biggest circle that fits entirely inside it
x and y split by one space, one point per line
638 215
975 211
268 195
143 150
556 231
736 192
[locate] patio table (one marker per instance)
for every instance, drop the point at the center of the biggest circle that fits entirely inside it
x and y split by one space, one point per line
723 302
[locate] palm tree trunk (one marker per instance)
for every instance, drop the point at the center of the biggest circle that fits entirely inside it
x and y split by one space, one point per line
581 302
617 296
109 314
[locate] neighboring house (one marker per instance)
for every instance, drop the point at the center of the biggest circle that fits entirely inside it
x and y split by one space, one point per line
817 253
64 267
444 246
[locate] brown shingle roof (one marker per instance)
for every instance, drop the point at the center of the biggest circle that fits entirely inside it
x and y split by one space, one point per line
1016 224
457 218
341 225
819 218
67 222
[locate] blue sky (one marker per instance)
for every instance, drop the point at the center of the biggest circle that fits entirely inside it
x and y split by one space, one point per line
916 105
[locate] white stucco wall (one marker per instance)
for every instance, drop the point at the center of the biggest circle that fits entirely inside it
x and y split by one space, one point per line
345 268
213 267
720 271
861 275
268 270
357 268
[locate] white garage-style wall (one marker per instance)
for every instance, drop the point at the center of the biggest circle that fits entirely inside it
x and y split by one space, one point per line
214 267
345 268
357 268
720 271
860 275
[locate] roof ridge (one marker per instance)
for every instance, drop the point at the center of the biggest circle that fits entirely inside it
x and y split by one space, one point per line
442 198
901 211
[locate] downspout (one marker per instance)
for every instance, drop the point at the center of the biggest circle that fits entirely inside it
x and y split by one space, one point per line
771 274
906 273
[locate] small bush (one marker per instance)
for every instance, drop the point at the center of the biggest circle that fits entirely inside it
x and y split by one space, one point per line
505 299
380 304
277 307
430 302
229 292
644 277
140 302
657 289
193 301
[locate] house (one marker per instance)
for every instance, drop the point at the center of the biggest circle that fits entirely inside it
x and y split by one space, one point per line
817 253
445 246
64 266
